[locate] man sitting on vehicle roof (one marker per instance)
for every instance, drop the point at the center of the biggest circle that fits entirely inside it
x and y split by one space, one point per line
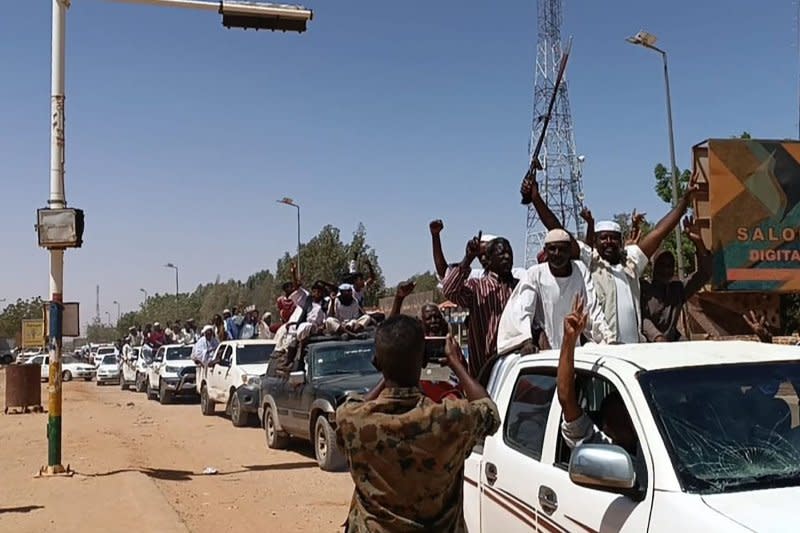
345 314
203 353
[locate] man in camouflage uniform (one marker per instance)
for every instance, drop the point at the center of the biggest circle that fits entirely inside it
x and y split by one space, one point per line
406 453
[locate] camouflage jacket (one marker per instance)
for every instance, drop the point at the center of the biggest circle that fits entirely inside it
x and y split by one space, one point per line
406 455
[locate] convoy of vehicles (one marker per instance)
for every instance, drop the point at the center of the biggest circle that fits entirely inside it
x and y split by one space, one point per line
717 426
235 363
718 432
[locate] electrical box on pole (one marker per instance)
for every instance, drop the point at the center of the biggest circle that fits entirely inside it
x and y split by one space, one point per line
59 228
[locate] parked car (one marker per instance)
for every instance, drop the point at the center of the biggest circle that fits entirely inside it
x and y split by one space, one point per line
70 368
102 352
26 355
718 442
241 362
108 370
171 373
6 358
304 405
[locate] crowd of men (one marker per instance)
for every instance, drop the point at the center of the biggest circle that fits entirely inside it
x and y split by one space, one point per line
406 451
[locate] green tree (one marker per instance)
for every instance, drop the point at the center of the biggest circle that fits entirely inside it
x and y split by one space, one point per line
12 316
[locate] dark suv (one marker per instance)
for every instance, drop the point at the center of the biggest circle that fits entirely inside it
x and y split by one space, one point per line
303 404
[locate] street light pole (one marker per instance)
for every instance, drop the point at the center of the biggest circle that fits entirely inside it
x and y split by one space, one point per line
116 302
57 200
146 296
170 265
288 201
648 40
108 318
234 15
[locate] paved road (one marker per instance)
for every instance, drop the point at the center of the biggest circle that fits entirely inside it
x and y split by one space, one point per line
140 463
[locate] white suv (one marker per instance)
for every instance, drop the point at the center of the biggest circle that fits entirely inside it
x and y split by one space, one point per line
172 372
103 351
237 363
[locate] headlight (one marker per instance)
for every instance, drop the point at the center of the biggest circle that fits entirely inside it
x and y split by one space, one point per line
172 369
254 380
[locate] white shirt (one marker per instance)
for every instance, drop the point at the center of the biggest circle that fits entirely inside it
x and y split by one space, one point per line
545 299
627 317
315 316
346 312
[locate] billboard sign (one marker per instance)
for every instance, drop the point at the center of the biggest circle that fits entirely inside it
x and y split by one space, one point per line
753 209
33 333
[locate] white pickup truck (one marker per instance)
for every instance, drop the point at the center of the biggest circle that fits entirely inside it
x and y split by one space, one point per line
172 372
240 362
718 431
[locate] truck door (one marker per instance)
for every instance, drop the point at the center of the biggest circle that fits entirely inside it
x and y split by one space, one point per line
217 373
558 501
514 458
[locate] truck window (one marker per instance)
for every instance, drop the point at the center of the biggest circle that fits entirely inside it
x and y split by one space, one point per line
592 389
526 419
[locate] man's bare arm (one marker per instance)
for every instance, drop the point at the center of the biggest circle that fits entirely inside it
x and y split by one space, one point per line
574 324
439 261
403 290
652 241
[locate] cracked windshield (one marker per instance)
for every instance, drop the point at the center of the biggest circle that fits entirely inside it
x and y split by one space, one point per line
730 428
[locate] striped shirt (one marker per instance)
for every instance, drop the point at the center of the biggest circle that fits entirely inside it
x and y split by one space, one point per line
484 298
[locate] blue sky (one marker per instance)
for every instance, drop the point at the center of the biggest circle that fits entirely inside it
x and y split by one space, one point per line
181 134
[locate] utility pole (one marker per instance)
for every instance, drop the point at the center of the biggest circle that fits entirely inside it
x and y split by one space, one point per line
60 228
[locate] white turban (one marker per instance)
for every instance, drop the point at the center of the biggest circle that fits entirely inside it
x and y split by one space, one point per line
607 225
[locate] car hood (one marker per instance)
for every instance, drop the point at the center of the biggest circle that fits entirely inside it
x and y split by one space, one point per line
758 510
338 385
254 370
107 367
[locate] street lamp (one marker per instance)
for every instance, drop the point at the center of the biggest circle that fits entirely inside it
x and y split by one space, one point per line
108 318
234 15
288 201
145 294
116 302
648 40
170 265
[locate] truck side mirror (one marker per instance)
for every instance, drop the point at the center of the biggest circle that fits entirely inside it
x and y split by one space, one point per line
297 378
602 466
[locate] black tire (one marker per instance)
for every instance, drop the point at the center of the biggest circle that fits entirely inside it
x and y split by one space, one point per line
164 396
66 375
87 379
98 383
326 451
207 406
239 418
276 440
140 384
151 394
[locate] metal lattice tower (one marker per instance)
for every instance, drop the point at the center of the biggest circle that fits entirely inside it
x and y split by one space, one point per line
560 181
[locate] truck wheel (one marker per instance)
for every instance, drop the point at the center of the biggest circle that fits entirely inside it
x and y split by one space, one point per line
66 375
207 405
164 396
151 394
140 384
276 440
238 417
327 452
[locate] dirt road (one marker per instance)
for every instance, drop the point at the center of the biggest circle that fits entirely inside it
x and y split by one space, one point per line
139 464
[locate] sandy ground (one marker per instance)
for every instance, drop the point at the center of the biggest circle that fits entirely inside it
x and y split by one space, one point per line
139 465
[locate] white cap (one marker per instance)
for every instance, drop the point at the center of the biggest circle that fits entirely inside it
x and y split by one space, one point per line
345 287
607 225
487 237
207 328
226 311
557 235
157 324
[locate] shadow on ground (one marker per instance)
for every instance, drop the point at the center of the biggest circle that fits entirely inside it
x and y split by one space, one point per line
166 474
21 509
